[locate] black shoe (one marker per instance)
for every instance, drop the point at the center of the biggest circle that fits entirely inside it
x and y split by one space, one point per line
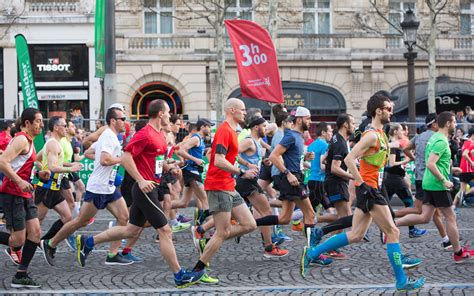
24 282
117 260
447 246
48 252
82 249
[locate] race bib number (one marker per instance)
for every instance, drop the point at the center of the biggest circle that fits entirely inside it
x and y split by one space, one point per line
380 179
159 160
113 174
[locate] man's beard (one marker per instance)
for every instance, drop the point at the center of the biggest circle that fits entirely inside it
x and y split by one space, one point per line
385 120
304 126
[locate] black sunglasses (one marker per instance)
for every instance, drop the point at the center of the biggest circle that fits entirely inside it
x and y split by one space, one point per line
120 118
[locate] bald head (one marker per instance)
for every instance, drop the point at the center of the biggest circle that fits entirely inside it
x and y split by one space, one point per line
272 127
233 103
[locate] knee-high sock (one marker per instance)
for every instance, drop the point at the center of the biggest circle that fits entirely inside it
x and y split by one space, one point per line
4 238
29 250
395 257
53 230
267 220
339 224
338 241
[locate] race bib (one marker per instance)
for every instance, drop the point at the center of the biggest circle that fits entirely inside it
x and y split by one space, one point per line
380 179
159 160
113 174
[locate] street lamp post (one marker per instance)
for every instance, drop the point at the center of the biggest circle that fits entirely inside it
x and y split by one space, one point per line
410 27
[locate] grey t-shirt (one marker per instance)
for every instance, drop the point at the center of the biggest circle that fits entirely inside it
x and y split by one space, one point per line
420 141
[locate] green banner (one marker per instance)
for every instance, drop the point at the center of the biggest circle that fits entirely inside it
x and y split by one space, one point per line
99 35
87 168
28 89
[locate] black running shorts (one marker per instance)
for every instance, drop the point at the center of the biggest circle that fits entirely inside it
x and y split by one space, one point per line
189 177
438 199
337 190
17 210
147 207
290 192
366 203
50 198
265 173
247 187
317 194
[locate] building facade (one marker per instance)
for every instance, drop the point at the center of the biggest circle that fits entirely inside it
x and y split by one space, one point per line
60 36
332 54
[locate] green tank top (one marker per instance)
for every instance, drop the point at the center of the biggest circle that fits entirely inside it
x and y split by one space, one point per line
67 149
54 181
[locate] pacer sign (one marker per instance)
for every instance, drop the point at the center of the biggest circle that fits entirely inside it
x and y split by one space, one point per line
256 61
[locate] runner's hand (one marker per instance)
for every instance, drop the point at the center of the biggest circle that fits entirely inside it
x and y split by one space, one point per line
253 166
267 162
44 175
146 186
76 166
292 179
25 186
199 162
250 174
448 184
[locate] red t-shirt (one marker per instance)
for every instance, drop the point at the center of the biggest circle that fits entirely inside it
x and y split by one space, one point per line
217 179
5 138
465 165
145 146
22 165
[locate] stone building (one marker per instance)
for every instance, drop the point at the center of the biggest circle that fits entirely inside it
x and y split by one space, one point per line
332 54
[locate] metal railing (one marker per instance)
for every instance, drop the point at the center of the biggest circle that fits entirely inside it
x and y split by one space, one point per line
52 6
158 42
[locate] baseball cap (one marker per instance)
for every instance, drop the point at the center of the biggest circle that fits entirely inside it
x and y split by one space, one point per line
203 121
430 119
118 106
254 120
302 112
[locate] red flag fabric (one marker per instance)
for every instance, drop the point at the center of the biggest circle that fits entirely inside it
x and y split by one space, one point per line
256 60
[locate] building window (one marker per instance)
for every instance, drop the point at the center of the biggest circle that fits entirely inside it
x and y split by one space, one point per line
467 17
158 16
396 11
317 18
241 9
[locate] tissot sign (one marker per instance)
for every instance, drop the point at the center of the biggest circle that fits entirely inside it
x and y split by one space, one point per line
53 65
59 62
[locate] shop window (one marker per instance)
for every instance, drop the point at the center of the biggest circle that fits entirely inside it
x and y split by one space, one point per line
152 91
467 17
158 17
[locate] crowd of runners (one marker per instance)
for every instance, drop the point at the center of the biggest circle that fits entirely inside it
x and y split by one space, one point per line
255 174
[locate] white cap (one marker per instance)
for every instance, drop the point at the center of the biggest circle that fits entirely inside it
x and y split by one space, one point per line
302 112
118 106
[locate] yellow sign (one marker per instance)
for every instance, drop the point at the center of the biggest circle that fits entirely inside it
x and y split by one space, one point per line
293 101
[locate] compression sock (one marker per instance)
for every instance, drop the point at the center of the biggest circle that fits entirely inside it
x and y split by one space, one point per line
53 230
338 241
29 250
267 220
339 224
395 257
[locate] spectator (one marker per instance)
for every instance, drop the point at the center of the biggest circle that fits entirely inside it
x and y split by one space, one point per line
98 124
76 117
460 118
77 141
5 135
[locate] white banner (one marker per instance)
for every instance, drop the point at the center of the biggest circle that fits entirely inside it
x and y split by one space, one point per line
60 95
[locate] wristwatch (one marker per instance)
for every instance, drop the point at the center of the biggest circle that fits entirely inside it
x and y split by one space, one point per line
242 172
286 172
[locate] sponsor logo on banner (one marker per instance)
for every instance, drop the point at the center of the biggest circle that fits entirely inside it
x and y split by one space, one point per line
53 65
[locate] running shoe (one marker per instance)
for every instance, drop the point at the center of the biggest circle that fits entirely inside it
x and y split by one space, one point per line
91 221
336 254
416 232
82 249
466 255
322 260
15 256
118 259
48 251
132 257
189 278
207 280
196 236
71 242
237 239
366 237
304 264
447 246
316 236
180 227
183 219
408 263
280 233
277 240
296 226
24 282
275 253
412 285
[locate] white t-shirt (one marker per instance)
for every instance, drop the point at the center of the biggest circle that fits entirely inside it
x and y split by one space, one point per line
102 178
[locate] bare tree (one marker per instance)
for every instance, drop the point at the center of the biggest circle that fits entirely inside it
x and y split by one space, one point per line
426 43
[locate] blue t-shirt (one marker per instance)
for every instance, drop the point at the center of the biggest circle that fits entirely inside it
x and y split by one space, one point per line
319 147
275 141
294 143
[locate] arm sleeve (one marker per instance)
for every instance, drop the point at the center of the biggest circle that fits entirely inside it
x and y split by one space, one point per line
137 144
439 147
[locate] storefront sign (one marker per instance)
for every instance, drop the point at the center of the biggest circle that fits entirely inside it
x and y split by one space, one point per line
53 65
447 100
60 95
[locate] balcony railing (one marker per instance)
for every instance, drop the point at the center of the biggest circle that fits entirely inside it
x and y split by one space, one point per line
43 6
158 42
284 42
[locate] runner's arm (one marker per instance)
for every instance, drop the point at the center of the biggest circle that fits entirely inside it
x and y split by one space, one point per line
107 160
184 148
53 151
16 148
277 159
358 151
338 171
93 137
129 164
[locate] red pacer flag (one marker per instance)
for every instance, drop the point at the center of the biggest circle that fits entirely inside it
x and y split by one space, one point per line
256 60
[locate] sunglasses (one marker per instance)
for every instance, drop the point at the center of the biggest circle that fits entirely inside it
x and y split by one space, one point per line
389 109
120 118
